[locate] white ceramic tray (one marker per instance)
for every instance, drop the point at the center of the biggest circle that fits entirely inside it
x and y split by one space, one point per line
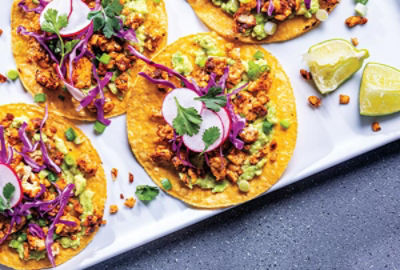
327 136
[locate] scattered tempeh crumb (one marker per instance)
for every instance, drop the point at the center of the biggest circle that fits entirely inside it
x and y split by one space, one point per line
355 20
130 202
305 74
114 174
376 127
113 209
344 99
121 196
131 178
3 78
1 32
354 40
103 222
314 101
273 157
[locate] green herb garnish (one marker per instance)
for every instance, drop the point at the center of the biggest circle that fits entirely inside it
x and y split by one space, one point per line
146 193
107 18
187 121
40 98
166 184
70 134
99 127
267 127
8 192
70 45
210 136
213 99
53 23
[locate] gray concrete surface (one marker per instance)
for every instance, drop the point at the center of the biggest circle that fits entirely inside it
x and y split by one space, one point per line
347 217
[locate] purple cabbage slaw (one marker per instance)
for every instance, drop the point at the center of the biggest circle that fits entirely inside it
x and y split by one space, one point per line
5 157
73 57
238 123
42 4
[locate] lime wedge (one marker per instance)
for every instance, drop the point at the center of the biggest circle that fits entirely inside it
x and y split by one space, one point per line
380 90
332 62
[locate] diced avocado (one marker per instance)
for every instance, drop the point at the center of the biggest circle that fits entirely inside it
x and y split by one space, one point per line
220 186
181 63
230 7
259 32
18 121
308 12
113 88
251 171
139 6
285 123
60 145
209 45
19 246
43 174
37 255
86 201
201 58
256 68
80 184
69 243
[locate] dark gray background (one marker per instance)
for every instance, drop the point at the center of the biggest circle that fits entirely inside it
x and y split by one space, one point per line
347 217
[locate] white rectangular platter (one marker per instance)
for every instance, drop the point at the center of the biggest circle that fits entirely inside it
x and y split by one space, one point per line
327 136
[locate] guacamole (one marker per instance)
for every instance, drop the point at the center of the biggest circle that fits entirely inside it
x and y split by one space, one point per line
182 64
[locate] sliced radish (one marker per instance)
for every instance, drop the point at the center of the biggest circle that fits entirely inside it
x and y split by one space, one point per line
77 12
8 175
186 99
226 121
196 143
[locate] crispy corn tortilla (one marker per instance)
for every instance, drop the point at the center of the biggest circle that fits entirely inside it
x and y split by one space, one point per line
23 52
222 23
97 184
147 99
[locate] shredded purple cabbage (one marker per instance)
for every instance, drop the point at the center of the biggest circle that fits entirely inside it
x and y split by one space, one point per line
38 9
271 8
36 230
157 81
63 199
5 157
46 158
128 34
259 5
307 3
170 71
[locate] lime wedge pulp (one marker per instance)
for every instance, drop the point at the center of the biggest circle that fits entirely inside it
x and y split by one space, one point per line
332 62
380 90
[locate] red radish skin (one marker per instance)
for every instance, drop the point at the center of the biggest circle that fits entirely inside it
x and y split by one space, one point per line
185 98
8 175
210 119
226 121
77 12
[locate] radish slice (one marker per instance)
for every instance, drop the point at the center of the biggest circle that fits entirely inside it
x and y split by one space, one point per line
8 175
226 121
185 98
210 119
77 12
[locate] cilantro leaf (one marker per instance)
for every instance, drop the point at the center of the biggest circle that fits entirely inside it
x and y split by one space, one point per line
70 45
107 19
3 205
187 121
146 193
8 191
213 100
210 136
53 23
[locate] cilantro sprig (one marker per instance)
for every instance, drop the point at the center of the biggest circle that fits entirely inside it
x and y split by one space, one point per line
146 193
107 19
187 121
53 23
210 136
8 192
213 99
